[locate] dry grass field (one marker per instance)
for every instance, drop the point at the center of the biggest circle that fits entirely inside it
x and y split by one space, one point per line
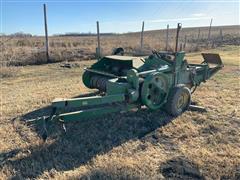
30 50
134 145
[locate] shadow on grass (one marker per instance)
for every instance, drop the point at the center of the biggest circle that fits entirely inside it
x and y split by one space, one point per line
180 168
176 168
84 140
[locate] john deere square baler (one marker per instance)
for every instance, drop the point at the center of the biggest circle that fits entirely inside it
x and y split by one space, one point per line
163 80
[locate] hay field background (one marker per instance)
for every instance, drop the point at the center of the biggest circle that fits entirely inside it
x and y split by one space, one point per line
31 50
135 145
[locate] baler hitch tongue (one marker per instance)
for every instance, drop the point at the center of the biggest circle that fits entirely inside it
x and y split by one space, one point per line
211 58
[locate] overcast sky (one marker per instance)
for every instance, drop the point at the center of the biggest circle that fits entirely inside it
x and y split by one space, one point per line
114 16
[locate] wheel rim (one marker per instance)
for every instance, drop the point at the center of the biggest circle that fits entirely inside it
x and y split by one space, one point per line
182 101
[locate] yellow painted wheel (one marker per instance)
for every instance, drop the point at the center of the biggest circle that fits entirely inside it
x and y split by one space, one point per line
178 101
182 100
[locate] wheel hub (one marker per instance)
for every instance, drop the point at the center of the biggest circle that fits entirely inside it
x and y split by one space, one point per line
182 101
154 90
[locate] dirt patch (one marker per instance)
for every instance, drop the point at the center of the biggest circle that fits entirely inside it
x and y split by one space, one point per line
181 168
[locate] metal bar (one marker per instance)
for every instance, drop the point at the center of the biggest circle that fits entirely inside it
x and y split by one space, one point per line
197 108
199 65
162 69
90 113
101 72
179 26
95 112
46 32
166 48
98 41
88 101
142 35
209 32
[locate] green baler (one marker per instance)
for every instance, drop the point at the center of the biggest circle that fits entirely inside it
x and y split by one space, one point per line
163 80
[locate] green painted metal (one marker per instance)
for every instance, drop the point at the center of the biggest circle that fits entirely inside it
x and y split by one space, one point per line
126 82
155 90
94 112
146 81
86 114
179 57
116 86
133 81
87 101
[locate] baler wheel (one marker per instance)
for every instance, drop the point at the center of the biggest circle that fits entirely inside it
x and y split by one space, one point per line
179 100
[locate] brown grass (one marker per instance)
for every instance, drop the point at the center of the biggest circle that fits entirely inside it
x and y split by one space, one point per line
6 72
30 50
134 145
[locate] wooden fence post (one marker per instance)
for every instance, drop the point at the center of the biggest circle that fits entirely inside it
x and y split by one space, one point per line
98 42
198 37
166 46
46 32
181 47
142 35
221 36
185 42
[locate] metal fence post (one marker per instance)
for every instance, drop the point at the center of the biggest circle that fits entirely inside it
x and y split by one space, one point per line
166 47
142 35
98 42
46 32
209 32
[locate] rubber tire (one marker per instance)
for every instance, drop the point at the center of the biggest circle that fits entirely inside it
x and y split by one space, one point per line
170 106
86 78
